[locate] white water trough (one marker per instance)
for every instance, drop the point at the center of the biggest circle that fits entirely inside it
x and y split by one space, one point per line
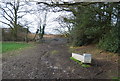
85 58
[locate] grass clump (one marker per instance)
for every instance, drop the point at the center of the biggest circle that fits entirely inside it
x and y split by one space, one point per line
85 65
11 46
79 62
54 52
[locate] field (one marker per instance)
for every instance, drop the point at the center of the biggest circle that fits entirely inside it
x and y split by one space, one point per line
12 46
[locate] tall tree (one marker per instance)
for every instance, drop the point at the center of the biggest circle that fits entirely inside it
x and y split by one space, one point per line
11 13
42 15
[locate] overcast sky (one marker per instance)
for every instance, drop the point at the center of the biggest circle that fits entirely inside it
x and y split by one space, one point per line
51 23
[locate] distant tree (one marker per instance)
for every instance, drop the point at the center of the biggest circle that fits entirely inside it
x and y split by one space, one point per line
11 13
93 23
42 15
42 26
26 31
66 25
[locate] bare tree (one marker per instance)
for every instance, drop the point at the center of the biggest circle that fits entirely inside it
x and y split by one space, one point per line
65 27
11 13
42 25
42 14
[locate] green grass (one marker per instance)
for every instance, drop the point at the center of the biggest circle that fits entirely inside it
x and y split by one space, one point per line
0 47
11 46
79 62
116 79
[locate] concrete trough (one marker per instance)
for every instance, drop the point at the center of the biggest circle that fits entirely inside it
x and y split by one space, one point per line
85 58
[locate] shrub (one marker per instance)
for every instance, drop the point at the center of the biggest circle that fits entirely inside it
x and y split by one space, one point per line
110 41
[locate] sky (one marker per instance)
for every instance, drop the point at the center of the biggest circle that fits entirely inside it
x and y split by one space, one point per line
52 24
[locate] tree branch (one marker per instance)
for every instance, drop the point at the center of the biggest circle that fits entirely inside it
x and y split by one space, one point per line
66 4
7 13
5 17
7 24
10 11
21 16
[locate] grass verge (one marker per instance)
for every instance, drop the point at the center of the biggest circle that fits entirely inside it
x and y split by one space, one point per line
0 47
79 62
11 46
116 78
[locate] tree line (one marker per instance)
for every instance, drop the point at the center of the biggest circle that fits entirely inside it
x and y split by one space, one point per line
95 23
92 23
89 22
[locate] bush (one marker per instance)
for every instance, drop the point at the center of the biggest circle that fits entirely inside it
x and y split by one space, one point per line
78 38
110 41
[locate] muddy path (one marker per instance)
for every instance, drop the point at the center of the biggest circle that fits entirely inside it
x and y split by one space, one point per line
51 60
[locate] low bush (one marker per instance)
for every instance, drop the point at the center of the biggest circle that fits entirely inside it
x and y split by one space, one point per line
110 42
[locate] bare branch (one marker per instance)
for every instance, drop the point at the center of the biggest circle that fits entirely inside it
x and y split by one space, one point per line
21 16
64 4
10 11
5 17
7 13
7 24
10 4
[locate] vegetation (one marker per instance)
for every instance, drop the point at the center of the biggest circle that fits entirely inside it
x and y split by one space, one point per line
110 42
83 65
96 23
116 78
88 23
0 47
11 13
22 36
11 46
54 52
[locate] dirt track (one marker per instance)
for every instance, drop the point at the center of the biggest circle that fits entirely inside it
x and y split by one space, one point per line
41 62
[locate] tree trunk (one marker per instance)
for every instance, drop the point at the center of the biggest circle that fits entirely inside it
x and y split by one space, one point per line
15 35
36 34
26 37
41 34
